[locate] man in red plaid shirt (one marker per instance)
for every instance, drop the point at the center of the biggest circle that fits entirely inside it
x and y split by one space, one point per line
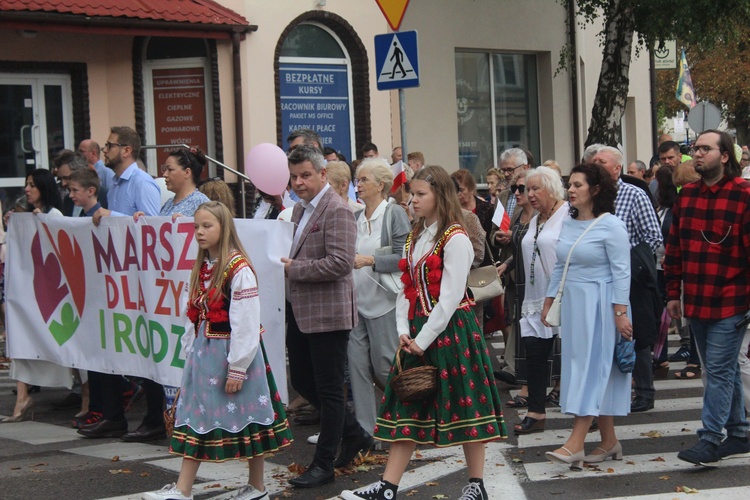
708 260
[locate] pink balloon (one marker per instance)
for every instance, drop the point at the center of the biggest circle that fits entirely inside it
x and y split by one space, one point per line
267 167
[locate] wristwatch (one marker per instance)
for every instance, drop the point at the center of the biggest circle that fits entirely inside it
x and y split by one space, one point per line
620 313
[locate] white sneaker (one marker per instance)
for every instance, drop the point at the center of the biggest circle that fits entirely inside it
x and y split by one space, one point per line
248 492
314 438
169 492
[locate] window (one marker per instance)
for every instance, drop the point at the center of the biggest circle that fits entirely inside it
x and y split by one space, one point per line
497 107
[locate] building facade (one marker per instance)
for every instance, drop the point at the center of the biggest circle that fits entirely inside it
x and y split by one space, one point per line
231 74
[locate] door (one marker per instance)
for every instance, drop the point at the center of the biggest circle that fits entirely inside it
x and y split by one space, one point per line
37 124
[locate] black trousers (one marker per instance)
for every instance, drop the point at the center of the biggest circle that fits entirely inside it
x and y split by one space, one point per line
106 394
537 363
316 367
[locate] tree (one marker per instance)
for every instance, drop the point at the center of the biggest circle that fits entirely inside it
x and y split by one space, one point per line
720 75
629 24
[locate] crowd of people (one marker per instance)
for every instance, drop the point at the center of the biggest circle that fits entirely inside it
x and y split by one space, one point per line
378 269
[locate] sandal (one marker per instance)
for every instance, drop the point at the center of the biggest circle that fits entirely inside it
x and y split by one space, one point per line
529 425
689 372
553 397
518 401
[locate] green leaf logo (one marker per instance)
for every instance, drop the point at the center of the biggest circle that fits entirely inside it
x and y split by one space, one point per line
62 332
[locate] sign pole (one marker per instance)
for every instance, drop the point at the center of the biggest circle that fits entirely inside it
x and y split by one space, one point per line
402 115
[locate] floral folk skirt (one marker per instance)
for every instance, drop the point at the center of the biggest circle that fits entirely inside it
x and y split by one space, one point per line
218 444
466 407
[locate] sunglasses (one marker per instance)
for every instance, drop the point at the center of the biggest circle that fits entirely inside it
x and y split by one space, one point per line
521 188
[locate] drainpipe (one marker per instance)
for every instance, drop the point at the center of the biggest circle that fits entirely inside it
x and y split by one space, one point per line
238 124
574 81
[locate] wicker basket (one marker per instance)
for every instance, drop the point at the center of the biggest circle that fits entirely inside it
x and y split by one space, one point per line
169 415
415 383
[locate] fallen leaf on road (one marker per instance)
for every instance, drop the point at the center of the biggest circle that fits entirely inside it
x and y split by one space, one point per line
40 464
439 496
144 474
499 465
611 470
296 468
215 485
412 493
120 471
630 462
685 489
664 478
652 434
657 459
517 461
417 454
431 483
116 458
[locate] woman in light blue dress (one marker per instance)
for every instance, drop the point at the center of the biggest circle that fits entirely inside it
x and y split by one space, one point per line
594 315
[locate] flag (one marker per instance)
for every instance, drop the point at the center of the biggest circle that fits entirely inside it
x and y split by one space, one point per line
501 218
685 93
399 176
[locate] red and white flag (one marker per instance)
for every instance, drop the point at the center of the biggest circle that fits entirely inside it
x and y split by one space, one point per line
399 176
501 218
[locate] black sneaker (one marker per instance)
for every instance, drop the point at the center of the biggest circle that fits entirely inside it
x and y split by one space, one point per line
682 354
704 453
382 490
473 491
734 447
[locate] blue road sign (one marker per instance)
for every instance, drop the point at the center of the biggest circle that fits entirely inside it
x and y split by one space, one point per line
397 60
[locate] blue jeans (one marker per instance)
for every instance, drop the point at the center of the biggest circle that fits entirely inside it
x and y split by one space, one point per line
718 344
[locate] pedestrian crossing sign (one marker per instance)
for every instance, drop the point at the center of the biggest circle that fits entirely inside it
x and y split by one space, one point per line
397 60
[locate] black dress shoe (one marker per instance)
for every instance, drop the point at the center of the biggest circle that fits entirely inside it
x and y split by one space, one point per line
144 433
105 429
641 404
312 477
506 377
72 400
351 447
309 419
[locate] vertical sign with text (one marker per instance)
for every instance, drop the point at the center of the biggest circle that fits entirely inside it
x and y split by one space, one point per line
316 96
179 109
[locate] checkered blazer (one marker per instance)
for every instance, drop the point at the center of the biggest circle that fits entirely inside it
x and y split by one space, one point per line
321 285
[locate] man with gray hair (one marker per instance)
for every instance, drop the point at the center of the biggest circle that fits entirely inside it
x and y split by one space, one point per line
510 161
637 169
634 207
321 311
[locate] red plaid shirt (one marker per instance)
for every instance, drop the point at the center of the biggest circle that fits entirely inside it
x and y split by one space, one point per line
708 250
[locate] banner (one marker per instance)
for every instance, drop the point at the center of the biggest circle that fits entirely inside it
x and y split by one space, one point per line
109 298
685 93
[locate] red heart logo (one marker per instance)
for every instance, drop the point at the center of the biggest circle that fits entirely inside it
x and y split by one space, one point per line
71 259
47 288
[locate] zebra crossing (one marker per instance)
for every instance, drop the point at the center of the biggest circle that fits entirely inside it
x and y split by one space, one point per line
515 469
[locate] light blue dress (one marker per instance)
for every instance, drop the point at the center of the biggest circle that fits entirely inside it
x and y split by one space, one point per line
598 277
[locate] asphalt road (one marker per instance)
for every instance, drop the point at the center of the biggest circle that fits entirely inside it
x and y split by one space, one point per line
46 459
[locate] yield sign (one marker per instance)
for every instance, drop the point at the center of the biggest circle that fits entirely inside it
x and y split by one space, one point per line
393 10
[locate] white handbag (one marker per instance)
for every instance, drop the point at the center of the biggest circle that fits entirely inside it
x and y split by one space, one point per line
553 314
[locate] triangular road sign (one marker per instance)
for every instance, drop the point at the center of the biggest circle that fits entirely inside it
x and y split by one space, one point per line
397 66
393 10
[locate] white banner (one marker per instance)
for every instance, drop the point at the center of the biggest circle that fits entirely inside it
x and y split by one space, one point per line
108 299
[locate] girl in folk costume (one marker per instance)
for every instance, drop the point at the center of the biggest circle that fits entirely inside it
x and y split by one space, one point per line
435 320
229 407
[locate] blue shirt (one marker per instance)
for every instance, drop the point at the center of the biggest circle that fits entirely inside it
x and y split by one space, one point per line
134 191
106 176
91 212
185 206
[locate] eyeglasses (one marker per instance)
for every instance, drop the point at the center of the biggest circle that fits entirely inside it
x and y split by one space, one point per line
702 149
510 170
521 188
361 180
109 145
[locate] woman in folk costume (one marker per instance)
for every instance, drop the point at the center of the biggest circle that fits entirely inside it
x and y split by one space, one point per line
435 320
229 407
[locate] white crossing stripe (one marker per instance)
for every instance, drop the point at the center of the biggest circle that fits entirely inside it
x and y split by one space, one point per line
680 404
555 438
663 463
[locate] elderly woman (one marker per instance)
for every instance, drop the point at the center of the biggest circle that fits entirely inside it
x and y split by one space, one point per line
339 177
467 196
513 269
594 315
381 233
545 193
